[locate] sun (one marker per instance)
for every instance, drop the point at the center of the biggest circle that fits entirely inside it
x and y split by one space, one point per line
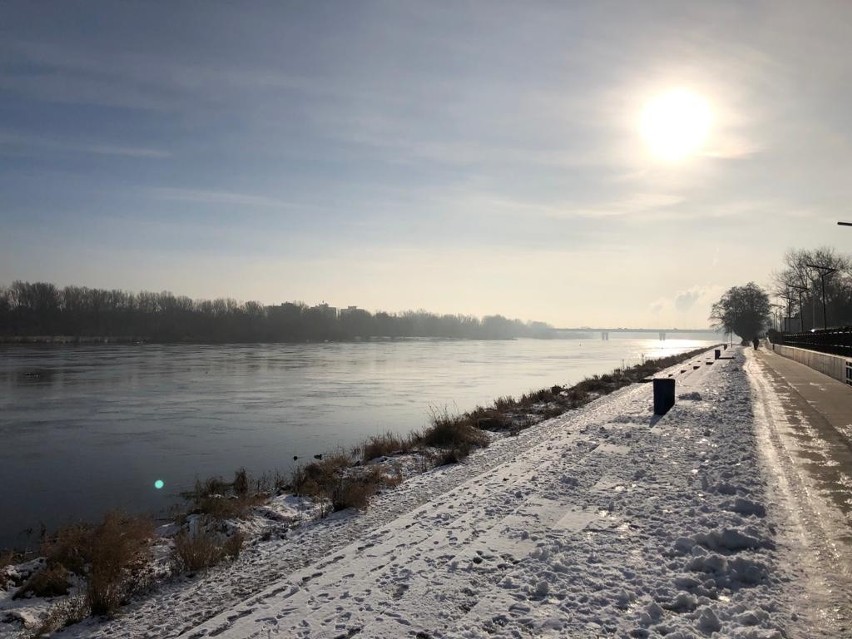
675 125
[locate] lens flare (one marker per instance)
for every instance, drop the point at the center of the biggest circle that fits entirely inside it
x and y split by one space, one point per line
159 484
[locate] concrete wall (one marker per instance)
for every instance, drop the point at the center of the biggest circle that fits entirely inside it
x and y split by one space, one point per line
835 366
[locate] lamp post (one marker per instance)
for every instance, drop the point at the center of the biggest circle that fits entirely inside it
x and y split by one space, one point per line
824 271
789 300
801 310
775 314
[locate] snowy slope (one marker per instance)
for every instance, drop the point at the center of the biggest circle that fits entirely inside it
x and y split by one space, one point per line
602 522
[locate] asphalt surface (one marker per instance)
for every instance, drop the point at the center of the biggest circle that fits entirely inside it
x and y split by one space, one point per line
819 411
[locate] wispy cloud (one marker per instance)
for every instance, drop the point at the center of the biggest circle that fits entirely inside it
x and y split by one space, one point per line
127 151
12 143
218 197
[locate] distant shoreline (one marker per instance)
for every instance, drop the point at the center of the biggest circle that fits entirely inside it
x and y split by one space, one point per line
26 340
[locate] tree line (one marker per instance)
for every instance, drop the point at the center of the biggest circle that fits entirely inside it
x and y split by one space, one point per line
798 287
43 309
813 290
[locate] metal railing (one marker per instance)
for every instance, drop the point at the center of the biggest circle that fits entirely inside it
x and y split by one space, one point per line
835 341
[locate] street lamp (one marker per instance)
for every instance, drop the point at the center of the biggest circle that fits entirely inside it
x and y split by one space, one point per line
789 299
801 310
775 315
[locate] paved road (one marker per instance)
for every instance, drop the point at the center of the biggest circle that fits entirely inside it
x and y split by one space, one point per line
803 421
820 410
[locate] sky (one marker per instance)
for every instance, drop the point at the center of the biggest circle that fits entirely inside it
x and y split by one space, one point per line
455 156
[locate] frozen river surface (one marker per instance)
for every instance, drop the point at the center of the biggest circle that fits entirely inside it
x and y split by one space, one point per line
86 429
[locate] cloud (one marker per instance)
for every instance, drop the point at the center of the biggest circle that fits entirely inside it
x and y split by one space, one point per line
691 305
133 152
218 197
633 204
685 300
21 144
732 148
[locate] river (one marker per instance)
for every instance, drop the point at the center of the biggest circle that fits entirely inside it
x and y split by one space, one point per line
86 429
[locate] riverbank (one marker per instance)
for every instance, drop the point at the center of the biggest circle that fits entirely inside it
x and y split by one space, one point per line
605 521
335 484
602 522
105 422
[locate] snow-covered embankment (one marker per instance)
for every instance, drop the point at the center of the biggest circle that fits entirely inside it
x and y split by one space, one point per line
602 522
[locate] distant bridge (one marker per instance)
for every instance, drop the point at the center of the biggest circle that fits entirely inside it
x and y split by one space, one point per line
661 332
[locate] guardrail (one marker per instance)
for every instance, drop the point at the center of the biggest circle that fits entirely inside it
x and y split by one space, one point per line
834 341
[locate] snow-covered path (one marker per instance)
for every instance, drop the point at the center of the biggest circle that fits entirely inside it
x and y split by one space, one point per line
814 532
602 522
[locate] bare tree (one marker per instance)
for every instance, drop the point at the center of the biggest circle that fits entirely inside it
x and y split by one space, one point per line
798 273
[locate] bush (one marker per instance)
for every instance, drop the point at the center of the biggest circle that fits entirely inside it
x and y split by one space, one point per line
453 432
117 551
7 558
202 549
335 479
453 455
69 547
222 500
320 478
241 483
109 555
50 581
63 613
233 545
353 494
197 551
386 445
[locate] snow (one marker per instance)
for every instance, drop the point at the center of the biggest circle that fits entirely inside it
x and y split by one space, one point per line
604 522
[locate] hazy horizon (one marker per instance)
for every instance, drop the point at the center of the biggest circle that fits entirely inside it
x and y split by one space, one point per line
480 158
342 308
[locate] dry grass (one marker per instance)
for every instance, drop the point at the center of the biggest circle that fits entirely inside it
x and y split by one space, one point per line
61 614
233 545
118 552
223 500
195 552
355 490
456 434
110 555
7 558
504 403
69 547
386 445
240 484
50 581
320 478
203 548
337 481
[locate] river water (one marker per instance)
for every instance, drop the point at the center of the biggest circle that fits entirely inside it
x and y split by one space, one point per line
86 429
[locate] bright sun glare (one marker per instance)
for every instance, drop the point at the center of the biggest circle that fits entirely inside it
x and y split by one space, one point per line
675 125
